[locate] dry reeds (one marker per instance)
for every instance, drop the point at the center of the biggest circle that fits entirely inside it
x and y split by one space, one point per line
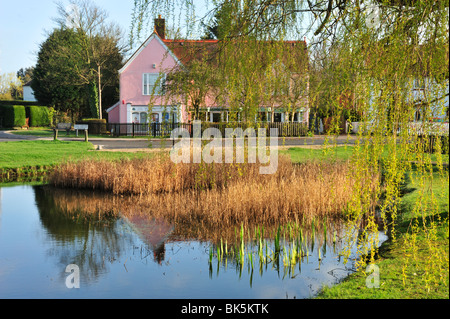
155 175
308 192
216 194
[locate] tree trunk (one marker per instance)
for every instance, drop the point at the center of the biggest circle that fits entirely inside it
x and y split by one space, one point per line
99 94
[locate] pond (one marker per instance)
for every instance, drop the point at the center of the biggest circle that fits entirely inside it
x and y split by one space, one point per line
48 246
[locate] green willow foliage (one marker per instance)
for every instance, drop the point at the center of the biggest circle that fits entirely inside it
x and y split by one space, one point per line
383 61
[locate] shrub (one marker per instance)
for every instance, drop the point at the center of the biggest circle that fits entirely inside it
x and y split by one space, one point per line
12 115
39 115
96 126
3 110
16 102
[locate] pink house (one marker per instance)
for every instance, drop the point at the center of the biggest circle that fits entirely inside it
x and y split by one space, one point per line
140 79
143 75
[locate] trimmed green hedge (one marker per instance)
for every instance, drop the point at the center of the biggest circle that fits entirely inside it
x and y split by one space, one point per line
39 115
15 115
18 102
12 115
96 126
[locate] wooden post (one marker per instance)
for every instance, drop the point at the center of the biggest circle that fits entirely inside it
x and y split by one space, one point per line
86 139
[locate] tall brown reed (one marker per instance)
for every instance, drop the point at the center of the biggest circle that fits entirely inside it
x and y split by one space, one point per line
101 206
155 175
216 194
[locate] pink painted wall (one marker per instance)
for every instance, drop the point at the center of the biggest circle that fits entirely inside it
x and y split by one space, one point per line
131 77
113 115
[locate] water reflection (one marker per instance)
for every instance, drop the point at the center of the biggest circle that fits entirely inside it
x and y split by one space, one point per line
282 247
68 212
119 241
78 239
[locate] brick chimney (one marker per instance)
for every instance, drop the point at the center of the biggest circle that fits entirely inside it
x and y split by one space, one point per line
160 27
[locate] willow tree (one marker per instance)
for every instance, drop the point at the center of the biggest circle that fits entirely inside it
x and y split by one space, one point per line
390 59
241 86
332 84
194 80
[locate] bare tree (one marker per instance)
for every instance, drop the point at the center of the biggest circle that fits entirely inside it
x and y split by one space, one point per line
102 42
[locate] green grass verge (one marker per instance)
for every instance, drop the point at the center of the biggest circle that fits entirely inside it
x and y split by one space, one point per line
48 132
404 268
38 154
300 154
34 131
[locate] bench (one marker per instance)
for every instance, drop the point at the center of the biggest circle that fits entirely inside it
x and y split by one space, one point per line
67 127
64 126
61 126
81 127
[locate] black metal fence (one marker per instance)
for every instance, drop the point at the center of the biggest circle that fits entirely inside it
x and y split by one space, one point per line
429 143
287 129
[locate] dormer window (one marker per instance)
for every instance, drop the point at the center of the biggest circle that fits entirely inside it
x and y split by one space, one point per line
153 83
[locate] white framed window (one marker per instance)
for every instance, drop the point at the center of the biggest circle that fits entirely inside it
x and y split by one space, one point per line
419 84
155 117
153 83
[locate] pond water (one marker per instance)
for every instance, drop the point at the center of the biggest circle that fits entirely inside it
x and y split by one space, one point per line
120 257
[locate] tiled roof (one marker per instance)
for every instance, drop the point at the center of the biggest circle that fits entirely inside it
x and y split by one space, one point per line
187 50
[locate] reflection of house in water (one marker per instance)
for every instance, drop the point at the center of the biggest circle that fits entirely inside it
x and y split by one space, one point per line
71 205
153 232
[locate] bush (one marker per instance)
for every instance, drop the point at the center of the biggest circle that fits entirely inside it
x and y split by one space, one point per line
96 126
39 115
12 115
16 102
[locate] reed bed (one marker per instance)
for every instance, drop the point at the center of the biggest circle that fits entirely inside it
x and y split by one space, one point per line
83 205
231 205
214 194
268 201
155 175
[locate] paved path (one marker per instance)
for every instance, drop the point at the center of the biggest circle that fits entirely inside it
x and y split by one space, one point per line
5 136
141 143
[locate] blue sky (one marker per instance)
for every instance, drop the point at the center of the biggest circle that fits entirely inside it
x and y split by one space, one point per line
24 25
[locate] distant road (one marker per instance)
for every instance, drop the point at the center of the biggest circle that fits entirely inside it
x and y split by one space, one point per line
140 143
157 143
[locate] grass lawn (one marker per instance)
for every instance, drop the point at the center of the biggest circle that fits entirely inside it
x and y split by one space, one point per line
35 131
300 154
403 268
48 132
40 154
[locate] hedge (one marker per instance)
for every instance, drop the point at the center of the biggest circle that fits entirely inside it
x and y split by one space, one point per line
39 115
96 126
12 115
17 102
